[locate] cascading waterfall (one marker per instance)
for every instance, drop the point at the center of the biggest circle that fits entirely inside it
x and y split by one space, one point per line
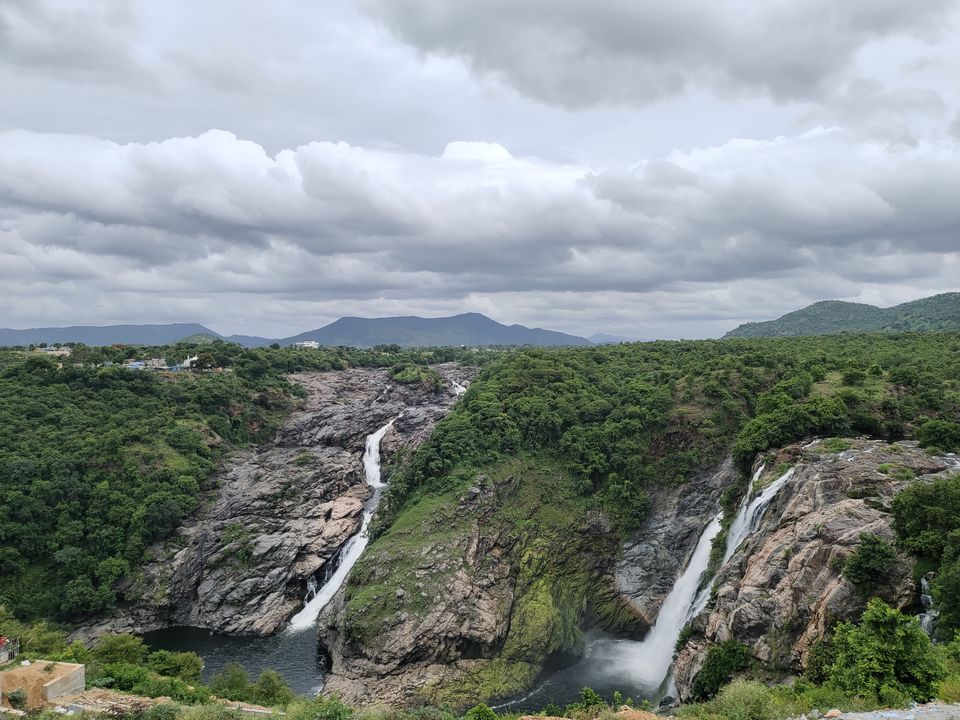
348 555
751 512
928 618
648 661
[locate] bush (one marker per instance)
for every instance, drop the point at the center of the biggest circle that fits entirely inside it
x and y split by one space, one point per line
870 563
319 708
745 700
480 712
940 435
231 683
271 690
721 662
886 655
184 665
949 689
17 699
120 649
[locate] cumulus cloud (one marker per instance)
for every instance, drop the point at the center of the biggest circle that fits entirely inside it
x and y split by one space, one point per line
578 54
683 243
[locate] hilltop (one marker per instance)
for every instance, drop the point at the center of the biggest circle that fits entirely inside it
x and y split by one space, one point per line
471 329
935 313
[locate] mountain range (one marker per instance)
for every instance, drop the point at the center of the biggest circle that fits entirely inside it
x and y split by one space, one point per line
409 331
938 312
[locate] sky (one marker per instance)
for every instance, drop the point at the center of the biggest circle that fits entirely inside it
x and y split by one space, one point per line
638 168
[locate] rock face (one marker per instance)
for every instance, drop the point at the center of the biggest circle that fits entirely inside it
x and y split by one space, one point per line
652 560
782 589
496 606
278 515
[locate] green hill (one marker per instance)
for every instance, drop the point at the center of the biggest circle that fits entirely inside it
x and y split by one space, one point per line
939 312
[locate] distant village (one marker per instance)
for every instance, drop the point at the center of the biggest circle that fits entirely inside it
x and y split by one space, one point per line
158 364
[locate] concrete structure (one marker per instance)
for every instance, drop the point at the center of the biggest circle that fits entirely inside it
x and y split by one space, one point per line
307 345
9 649
43 682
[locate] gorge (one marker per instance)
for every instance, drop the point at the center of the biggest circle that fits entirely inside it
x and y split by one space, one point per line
605 517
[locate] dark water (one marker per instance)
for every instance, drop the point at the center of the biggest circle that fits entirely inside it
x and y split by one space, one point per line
293 655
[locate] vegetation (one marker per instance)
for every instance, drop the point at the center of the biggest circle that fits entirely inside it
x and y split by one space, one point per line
927 523
870 564
99 462
719 666
936 313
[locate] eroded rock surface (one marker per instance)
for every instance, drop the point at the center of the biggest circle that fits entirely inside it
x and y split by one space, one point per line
782 589
486 606
278 514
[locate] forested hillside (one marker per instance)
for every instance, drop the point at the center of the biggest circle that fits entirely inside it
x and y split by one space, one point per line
936 313
96 463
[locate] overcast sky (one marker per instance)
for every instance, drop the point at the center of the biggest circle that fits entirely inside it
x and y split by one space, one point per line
632 167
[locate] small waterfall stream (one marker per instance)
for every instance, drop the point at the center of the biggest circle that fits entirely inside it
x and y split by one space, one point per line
348 555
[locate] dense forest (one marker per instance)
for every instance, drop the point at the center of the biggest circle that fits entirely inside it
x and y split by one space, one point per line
98 462
624 418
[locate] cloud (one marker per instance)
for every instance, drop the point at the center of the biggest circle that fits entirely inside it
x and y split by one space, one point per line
576 54
686 244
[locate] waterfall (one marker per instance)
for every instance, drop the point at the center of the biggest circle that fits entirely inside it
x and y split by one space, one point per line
458 389
751 512
348 555
928 618
648 662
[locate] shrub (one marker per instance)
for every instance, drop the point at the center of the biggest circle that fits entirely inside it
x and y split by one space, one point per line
231 683
721 662
480 712
270 689
17 699
184 665
949 689
940 435
745 700
120 649
886 654
319 708
870 563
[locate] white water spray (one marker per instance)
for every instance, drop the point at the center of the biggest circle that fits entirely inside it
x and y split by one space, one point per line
751 512
647 662
354 547
458 389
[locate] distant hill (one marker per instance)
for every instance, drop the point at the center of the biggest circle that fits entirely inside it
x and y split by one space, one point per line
939 312
411 331
467 329
604 339
109 335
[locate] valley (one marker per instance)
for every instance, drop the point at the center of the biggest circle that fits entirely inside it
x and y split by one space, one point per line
612 517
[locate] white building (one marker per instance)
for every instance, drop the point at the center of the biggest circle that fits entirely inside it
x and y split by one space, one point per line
307 345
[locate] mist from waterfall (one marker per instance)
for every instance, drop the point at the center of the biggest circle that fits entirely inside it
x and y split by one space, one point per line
648 661
348 555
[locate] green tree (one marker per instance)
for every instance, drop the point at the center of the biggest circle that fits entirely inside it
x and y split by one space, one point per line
870 563
120 649
887 654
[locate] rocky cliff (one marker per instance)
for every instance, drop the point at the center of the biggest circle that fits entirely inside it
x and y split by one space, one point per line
471 598
277 515
782 589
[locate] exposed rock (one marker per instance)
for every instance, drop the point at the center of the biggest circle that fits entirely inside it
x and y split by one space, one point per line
782 589
276 515
491 619
660 549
